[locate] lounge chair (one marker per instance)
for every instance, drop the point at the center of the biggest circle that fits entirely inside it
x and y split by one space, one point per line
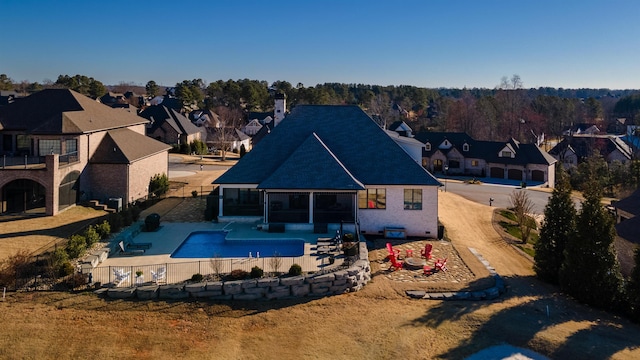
395 263
392 251
441 264
130 244
125 252
160 275
426 252
120 276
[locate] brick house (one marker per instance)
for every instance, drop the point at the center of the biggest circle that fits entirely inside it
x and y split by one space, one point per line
60 148
169 126
459 154
330 166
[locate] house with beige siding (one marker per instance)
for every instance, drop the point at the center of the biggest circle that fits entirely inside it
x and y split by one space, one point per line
60 148
332 167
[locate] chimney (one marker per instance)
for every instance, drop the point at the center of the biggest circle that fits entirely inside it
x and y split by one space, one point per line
280 108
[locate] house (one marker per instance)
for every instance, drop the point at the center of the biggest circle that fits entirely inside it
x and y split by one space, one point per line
204 117
402 128
60 147
581 129
627 213
169 126
230 138
458 154
575 149
253 126
330 165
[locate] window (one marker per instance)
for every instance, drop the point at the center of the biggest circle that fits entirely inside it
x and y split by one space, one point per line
372 199
474 163
46 147
505 154
465 147
427 146
72 146
413 199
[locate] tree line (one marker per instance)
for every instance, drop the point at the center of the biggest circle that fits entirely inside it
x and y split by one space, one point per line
507 111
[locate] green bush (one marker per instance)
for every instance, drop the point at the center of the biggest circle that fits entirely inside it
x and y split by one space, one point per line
115 222
185 148
76 246
91 236
66 269
238 274
256 272
103 229
197 277
159 184
295 270
198 147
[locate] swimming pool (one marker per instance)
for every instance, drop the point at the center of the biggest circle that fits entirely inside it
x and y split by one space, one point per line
208 244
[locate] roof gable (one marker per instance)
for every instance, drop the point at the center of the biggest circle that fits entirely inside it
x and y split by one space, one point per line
312 166
124 146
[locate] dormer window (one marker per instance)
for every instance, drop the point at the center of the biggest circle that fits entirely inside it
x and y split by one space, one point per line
465 147
427 146
505 153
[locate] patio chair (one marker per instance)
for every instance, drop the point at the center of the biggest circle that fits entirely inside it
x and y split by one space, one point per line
160 275
426 252
427 270
120 276
392 251
441 264
125 252
395 263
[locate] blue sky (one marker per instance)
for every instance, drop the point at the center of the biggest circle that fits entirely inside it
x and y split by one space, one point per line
426 43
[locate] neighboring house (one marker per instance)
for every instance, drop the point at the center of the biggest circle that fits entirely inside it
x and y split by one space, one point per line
253 126
330 165
61 147
169 126
575 149
230 138
459 154
581 129
627 213
7 97
204 118
401 128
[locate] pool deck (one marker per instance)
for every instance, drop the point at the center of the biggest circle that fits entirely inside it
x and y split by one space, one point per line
171 234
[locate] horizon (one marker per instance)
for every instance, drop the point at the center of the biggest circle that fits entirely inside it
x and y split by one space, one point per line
435 44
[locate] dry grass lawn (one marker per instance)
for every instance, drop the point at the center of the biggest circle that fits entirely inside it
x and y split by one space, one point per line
379 322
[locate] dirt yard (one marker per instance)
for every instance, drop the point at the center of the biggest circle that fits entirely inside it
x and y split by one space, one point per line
379 322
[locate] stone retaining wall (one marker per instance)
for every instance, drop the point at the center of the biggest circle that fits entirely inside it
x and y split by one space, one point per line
350 279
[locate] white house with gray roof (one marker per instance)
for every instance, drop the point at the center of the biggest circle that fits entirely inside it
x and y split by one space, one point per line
330 165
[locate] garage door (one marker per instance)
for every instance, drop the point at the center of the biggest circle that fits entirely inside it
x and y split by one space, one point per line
537 175
497 172
515 174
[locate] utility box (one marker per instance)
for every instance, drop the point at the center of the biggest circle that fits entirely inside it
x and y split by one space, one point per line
115 203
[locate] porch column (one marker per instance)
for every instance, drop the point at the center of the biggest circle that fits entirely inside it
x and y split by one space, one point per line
220 201
311 207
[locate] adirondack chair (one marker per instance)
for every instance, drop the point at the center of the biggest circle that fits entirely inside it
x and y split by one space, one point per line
395 263
441 264
392 252
426 252
427 270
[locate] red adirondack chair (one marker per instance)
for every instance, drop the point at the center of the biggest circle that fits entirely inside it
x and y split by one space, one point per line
395 263
441 264
392 251
426 252
427 270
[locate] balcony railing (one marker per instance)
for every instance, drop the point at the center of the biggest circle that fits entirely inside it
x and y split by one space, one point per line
22 162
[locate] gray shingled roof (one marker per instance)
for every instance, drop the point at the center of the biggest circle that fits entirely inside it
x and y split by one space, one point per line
161 114
124 146
351 136
63 111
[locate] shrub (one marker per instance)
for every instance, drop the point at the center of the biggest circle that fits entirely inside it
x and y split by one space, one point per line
198 147
76 280
194 193
197 277
115 222
135 212
91 236
14 267
238 274
256 272
127 217
159 185
295 270
185 148
103 229
65 269
76 246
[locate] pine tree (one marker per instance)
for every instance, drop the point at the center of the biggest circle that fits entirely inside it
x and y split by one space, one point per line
558 226
590 271
633 289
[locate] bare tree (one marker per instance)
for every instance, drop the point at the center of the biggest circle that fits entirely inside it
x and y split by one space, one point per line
275 262
380 110
522 208
223 135
216 265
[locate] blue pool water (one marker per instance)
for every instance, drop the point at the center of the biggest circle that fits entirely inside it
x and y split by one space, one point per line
207 244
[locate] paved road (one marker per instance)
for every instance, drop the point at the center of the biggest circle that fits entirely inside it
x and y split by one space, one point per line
179 168
481 193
